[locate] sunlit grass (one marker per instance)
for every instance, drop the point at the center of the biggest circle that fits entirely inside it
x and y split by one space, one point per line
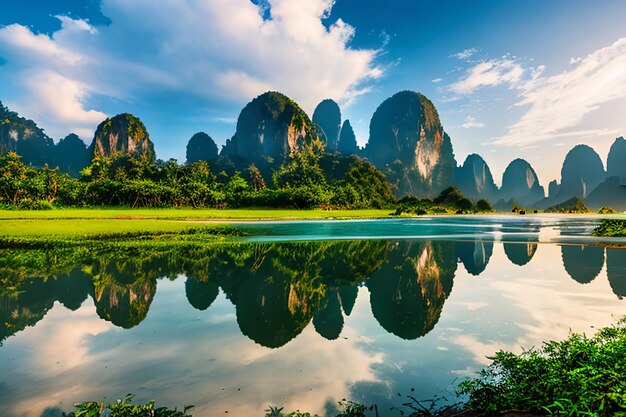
186 213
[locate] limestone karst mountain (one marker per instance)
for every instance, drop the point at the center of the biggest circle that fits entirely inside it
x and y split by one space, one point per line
581 173
269 129
70 155
347 139
327 116
123 134
520 183
474 179
23 136
612 192
616 161
408 143
201 147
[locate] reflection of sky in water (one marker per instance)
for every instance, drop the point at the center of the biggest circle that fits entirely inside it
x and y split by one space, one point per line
180 355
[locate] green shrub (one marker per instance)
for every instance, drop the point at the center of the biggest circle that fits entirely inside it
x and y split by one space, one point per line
607 210
125 408
577 376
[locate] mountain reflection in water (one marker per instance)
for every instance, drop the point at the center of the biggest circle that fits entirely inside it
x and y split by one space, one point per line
276 288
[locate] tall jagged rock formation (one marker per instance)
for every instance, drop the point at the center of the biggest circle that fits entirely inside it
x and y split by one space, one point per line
520 183
347 139
269 129
408 143
201 147
123 134
474 179
327 116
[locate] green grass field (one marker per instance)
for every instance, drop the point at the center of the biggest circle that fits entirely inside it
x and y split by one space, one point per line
85 222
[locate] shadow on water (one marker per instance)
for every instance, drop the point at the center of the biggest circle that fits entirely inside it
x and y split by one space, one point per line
277 289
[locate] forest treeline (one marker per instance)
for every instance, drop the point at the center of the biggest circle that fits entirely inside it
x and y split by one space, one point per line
304 181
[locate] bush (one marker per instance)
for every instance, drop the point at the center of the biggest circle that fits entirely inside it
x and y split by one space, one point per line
577 376
607 210
125 408
35 205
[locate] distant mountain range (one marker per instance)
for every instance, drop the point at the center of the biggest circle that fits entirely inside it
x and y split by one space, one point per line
407 142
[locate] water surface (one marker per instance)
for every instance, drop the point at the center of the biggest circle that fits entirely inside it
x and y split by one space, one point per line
300 314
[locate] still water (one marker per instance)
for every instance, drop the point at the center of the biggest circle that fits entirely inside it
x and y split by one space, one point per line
300 314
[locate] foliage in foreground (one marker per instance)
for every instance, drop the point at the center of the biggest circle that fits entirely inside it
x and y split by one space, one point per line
577 376
611 228
125 408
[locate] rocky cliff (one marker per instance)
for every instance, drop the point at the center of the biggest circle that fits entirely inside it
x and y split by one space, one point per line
327 116
408 143
520 183
474 179
269 129
347 139
201 147
23 136
123 134
616 161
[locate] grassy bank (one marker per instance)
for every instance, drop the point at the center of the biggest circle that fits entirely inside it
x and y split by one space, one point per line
178 214
88 223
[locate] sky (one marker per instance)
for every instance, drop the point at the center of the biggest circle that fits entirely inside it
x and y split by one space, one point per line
510 79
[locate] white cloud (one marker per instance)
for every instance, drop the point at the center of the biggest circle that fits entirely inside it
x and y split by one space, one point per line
437 80
557 104
471 122
465 54
214 51
490 73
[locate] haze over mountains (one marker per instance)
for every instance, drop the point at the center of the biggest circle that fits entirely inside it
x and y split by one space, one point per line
407 142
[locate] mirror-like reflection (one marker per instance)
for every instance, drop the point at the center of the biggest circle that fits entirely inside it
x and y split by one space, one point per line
474 255
616 270
278 288
520 253
410 288
371 315
583 263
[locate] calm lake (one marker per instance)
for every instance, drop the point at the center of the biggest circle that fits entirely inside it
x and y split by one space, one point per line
301 314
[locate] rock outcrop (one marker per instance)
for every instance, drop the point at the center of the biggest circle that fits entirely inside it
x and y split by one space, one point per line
581 173
269 129
123 134
520 183
616 161
408 143
201 147
474 179
347 140
327 116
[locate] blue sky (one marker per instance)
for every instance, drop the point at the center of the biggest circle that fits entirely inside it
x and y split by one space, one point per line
510 79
